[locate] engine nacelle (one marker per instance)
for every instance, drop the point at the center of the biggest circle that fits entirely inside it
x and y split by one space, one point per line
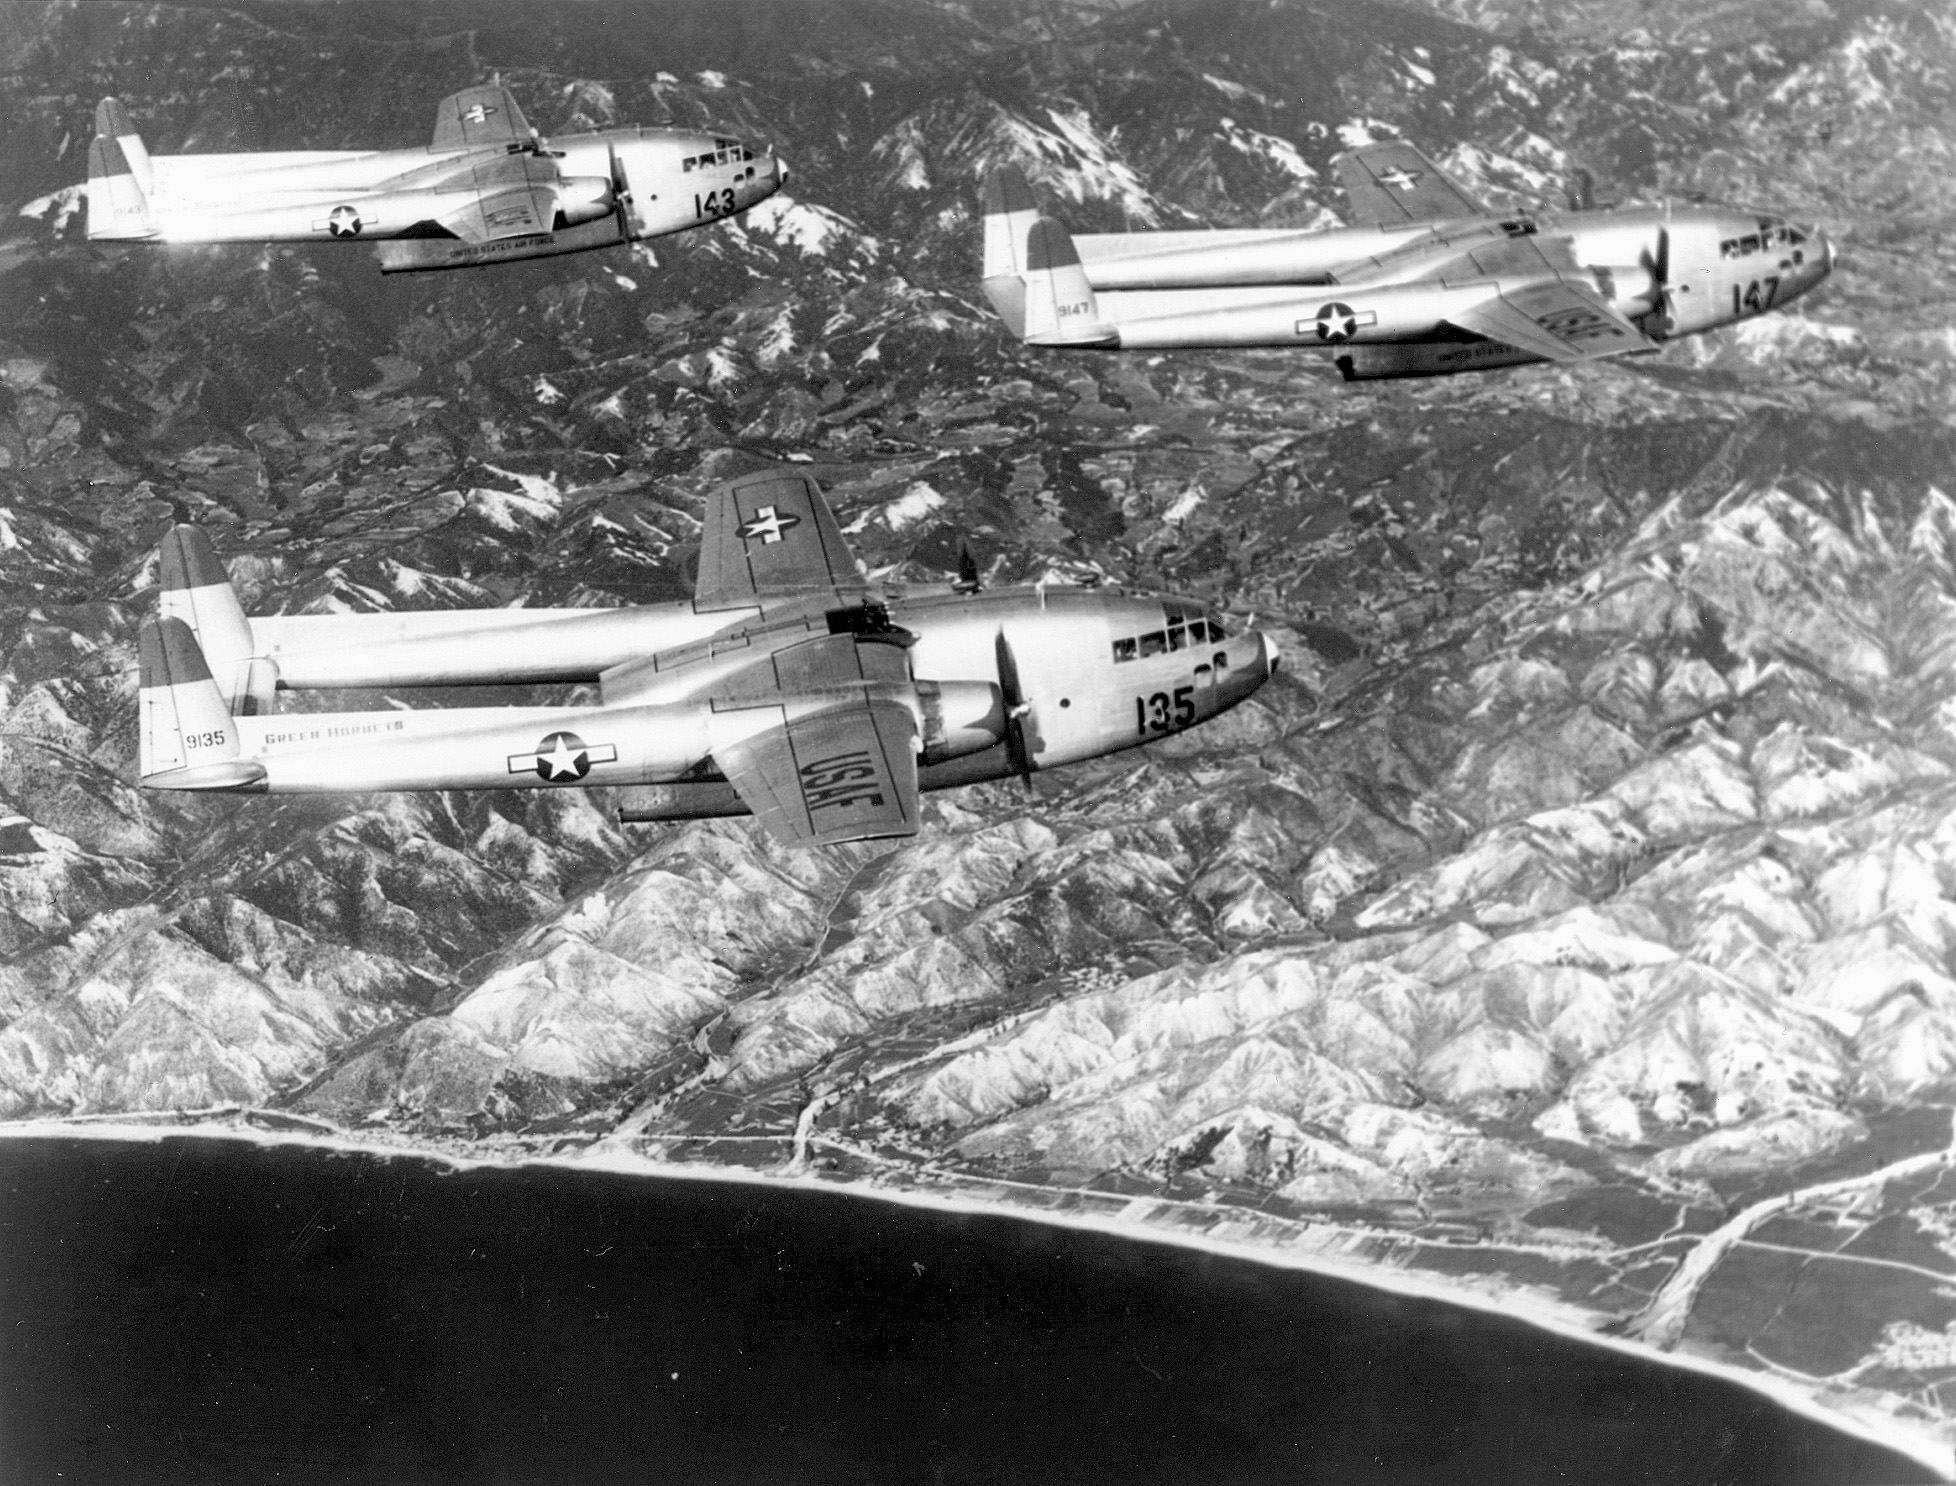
584 198
1633 290
959 717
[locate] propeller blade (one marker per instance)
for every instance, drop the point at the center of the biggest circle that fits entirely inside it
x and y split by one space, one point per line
1661 269
1016 709
968 579
621 195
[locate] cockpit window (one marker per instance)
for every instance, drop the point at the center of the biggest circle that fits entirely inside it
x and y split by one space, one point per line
1187 629
724 152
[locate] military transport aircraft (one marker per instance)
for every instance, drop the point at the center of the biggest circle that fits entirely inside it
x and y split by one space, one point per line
789 686
487 189
1426 282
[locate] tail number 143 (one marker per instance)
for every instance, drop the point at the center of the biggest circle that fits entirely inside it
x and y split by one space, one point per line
1162 714
714 203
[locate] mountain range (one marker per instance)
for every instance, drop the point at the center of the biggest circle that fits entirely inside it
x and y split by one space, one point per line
1575 915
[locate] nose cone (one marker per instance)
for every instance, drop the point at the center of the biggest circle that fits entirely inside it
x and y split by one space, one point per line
1271 655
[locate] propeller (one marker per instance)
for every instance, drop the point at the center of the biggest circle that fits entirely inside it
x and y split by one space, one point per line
968 579
1658 265
621 194
1017 709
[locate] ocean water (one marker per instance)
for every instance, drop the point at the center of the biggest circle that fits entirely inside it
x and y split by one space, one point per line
202 1310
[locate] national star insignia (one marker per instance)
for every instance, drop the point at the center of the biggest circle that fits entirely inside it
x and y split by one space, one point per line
562 756
1336 322
768 524
477 113
344 222
1400 178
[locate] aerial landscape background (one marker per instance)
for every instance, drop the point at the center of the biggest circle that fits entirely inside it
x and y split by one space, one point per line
1573 917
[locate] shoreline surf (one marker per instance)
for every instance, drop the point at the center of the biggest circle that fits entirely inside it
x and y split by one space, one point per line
1129 1221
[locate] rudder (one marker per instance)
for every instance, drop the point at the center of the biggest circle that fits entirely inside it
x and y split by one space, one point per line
119 178
1061 308
188 738
197 590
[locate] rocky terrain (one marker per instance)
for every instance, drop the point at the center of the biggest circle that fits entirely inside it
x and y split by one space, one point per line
1576 913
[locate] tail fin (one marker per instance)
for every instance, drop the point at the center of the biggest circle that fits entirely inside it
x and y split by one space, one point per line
120 178
189 740
1009 214
1061 308
197 591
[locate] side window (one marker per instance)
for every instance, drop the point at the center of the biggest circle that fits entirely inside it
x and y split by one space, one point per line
1177 638
1153 644
1123 650
1749 244
1198 631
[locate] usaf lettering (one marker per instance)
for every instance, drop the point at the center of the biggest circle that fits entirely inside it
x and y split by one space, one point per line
835 782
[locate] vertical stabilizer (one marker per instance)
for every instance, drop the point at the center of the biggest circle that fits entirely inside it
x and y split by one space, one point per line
188 739
112 121
1061 308
197 591
1009 215
119 178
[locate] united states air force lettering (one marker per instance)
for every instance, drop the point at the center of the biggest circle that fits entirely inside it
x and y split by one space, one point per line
839 781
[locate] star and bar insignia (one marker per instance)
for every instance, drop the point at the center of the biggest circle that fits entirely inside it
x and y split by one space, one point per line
768 524
344 222
562 756
1400 178
477 113
1336 322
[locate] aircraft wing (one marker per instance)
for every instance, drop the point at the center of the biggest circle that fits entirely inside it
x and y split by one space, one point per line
475 117
1556 319
1394 183
770 535
846 772
516 196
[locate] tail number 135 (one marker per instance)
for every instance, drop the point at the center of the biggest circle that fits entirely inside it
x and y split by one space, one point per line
714 203
1162 713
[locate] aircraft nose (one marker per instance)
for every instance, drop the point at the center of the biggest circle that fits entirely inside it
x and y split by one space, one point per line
1272 656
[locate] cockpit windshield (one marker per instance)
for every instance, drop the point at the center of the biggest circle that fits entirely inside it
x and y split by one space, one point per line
1774 235
724 152
1184 626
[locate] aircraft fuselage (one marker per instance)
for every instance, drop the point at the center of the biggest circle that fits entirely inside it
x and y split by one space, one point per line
1367 285
1099 670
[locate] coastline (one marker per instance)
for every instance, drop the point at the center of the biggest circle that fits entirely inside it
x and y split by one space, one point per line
1234 1233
